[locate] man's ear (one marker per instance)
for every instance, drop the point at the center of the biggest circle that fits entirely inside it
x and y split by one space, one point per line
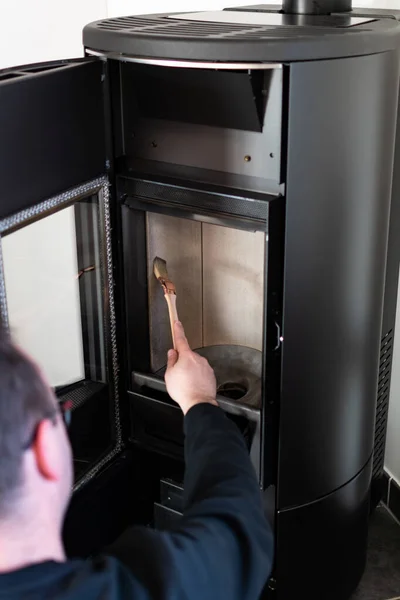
45 451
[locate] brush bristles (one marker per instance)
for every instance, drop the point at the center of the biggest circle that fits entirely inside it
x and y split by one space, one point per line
160 268
160 271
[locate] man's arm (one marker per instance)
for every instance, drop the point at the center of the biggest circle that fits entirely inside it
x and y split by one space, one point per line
222 546
223 543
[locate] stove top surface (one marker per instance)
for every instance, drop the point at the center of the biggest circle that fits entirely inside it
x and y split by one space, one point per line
256 35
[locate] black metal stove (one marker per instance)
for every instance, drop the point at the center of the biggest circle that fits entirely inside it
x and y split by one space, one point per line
256 151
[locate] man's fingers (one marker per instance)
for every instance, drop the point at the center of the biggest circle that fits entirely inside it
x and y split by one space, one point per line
172 358
181 342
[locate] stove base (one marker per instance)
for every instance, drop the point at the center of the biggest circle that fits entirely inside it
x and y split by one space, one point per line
322 546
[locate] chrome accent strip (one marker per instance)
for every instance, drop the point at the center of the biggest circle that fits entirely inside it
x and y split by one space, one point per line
187 64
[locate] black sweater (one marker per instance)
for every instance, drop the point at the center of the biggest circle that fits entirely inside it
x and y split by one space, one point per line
221 549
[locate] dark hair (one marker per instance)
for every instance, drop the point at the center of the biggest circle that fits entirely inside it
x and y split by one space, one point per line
24 401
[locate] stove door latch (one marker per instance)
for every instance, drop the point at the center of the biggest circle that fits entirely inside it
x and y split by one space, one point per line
279 336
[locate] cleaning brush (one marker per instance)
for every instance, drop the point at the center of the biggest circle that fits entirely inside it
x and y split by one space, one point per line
160 271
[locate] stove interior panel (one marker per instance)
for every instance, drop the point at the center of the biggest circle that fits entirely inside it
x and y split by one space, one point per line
233 286
219 275
179 242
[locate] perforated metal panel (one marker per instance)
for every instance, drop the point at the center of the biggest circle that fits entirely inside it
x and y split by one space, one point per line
382 405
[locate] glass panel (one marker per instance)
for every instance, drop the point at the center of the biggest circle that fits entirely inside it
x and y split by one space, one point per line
54 293
90 276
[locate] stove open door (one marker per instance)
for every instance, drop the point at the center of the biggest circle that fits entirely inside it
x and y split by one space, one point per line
52 130
56 264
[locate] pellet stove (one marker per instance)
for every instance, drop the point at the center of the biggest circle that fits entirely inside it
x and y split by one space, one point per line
256 150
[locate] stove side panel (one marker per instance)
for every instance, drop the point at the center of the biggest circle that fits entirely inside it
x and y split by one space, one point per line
341 129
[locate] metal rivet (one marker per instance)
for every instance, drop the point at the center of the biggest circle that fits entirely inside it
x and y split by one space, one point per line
247 158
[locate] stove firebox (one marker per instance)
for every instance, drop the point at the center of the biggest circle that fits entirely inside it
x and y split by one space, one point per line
256 151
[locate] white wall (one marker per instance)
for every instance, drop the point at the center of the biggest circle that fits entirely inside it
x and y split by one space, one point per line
126 7
43 295
40 30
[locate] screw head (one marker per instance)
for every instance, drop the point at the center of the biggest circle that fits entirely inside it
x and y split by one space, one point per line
247 158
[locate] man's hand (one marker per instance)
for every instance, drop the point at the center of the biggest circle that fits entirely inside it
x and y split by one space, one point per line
190 379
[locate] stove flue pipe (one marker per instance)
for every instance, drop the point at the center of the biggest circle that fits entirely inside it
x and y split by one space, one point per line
316 7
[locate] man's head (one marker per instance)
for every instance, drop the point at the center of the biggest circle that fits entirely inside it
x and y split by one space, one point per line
35 455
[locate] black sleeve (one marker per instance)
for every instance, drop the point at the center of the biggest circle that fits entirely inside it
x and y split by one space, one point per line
222 547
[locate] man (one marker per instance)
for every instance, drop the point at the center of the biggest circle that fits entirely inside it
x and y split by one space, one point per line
222 547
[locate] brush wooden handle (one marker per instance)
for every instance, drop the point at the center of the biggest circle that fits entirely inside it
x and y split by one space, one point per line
173 314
